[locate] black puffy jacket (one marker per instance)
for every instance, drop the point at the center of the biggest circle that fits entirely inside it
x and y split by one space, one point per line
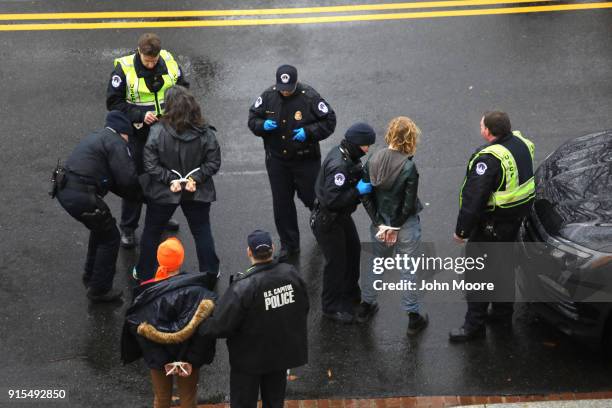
263 315
173 309
167 150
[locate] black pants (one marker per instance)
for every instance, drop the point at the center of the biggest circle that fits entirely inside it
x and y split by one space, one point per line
197 214
244 389
499 270
342 250
287 177
131 210
103 244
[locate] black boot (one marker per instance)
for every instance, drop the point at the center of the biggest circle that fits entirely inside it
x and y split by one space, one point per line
104 297
341 317
285 254
211 281
128 238
365 311
172 225
416 323
462 335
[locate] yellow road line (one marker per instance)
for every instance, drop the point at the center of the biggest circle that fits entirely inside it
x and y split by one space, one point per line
259 12
302 20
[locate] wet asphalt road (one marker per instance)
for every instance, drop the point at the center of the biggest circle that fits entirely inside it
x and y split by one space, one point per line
551 72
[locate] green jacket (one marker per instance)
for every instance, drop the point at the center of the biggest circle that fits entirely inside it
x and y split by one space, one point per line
395 182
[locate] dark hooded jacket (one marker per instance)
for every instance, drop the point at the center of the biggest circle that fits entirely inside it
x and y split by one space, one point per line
167 150
395 182
161 324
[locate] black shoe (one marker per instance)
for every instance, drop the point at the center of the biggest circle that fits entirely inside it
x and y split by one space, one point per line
85 280
128 239
287 253
416 323
211 280
172 225
134 275
104 297
461 335
365 311
341 317
499 319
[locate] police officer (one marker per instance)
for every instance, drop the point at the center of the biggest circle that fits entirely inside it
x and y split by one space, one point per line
101 162
137 88
292 118
263 315
497 192
338 188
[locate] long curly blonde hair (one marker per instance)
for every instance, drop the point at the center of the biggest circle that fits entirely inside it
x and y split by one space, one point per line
403 134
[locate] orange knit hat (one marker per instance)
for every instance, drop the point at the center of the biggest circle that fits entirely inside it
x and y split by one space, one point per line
170 256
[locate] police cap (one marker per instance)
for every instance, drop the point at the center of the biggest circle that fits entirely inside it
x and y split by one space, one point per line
286 78
260 242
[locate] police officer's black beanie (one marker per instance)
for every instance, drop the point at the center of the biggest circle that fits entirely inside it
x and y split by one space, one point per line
119 122
361 134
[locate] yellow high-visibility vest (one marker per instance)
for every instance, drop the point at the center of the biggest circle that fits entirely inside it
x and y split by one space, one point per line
136 90
509 193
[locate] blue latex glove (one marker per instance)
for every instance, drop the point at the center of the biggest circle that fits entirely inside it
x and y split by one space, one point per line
364 188
269 125
299 134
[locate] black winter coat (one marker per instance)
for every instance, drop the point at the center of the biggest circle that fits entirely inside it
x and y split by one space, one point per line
336 183
167 150
173 309
304 109
263 315
104 159
478 187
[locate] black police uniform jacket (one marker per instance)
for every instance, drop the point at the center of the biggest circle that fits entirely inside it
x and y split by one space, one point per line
479 187
115 91
161 324
103 159
263 315
305 108
336 183
167 150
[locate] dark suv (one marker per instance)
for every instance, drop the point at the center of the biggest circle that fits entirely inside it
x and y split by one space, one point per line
565 245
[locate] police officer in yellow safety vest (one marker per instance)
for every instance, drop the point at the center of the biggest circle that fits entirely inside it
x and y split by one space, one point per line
495 197
136 88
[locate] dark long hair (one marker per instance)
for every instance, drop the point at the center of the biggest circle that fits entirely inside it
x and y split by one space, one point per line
181 110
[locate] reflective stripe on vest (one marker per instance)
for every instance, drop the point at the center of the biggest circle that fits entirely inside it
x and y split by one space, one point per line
511 194
136 90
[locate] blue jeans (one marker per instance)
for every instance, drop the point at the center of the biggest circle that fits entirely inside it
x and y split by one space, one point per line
197 214
408 241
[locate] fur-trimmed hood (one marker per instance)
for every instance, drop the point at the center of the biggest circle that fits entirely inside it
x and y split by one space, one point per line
148 331
161 324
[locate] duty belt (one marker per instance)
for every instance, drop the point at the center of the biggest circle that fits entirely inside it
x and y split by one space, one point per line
77 183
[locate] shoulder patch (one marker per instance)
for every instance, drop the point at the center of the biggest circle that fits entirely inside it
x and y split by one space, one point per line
339 179
323 107
481 168
116 81
258 102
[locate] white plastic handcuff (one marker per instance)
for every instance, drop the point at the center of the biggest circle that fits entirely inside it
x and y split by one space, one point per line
186 178
382 229
176 366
